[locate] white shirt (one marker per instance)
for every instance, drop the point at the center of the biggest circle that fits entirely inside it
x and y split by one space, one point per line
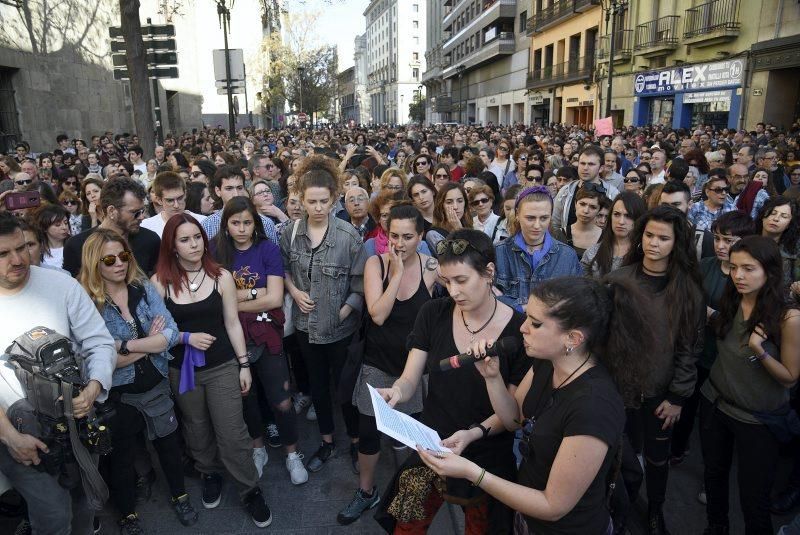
660 178
55 258
141 167
157 222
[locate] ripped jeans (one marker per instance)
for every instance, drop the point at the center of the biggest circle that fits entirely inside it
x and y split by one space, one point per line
655 450
271 380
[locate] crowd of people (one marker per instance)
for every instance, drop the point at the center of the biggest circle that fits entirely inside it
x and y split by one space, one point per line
226 285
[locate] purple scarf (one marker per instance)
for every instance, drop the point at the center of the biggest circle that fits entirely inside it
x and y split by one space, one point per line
192 358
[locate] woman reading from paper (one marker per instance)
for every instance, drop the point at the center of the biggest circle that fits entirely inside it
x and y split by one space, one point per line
457 406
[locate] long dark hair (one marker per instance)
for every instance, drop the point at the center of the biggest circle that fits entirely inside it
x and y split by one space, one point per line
223 241
684 282
790 236
635 207
616 318
771 302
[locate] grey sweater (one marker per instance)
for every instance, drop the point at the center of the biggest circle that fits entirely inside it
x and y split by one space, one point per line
55 300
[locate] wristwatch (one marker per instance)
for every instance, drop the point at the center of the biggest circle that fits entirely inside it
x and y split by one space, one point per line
483 429
123 348
253 294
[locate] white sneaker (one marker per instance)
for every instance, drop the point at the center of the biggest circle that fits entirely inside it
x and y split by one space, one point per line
298 472
311 415
260 459
301 402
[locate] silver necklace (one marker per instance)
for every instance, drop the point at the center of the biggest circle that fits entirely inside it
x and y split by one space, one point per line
193 287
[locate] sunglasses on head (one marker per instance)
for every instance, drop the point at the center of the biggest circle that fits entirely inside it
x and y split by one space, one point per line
110 259
457 247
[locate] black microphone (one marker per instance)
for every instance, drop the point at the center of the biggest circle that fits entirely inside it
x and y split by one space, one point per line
504 346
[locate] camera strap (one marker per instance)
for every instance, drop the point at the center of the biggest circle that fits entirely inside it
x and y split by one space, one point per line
93 485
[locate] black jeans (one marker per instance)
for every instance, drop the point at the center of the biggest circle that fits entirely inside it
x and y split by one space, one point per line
324 362
683 429
270 383
655 449
126 424
757 454
296 363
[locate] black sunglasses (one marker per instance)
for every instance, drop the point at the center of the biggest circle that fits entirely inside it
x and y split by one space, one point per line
532 178
196 174
70 203
23 182
591 186
719 190
629 180
457 247
478 202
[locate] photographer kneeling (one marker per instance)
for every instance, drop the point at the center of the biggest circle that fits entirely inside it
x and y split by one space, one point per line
31 297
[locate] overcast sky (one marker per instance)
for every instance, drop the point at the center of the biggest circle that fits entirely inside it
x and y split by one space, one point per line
339 23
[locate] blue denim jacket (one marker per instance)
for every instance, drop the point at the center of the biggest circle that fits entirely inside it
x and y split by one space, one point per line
515 278
337 278
149 306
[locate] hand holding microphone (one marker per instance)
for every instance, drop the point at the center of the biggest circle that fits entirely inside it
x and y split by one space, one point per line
504 346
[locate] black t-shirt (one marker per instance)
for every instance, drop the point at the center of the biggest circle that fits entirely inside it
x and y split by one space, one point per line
589 405
144 245
458 398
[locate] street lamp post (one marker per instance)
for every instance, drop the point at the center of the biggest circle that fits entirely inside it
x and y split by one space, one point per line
612 7
300 71
224 13
460 70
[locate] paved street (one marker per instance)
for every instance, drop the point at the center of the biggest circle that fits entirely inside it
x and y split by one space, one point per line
311 508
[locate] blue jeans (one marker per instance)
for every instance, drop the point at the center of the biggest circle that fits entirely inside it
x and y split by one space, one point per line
53 510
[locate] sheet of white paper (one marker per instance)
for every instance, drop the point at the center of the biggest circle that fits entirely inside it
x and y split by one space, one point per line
403 427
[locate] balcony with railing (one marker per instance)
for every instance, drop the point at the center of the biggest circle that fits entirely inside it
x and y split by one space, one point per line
556 13
501 44
623 46
571 71
657 37
712 23
490 10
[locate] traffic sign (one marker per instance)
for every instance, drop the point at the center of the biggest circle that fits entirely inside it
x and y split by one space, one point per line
152 58
223 83
302 117
155 45
152 72
236 90
159 30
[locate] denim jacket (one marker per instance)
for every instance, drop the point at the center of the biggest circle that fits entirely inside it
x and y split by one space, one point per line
149 305
514 275
337 278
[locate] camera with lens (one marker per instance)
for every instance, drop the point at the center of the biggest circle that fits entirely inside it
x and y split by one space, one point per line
46 366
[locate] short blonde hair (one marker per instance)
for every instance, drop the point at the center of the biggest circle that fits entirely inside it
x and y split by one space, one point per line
89 276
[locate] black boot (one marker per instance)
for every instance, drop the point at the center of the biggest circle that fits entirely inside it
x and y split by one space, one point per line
786 501
655 522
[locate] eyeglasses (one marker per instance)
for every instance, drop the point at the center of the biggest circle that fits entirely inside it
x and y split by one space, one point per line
441 175
70 183
70 203
197 174
480 202
138 213
719 190
110 259
457 247
263 192
627 180
591 186
267 166
23 182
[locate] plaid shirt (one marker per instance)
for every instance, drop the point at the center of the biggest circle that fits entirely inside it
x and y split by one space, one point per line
701 217
212 223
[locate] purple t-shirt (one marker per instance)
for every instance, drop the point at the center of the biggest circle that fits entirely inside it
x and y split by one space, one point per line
252 266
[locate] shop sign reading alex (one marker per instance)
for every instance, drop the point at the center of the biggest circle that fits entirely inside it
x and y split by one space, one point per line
693 77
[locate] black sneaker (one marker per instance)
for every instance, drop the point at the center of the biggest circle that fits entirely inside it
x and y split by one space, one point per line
183 508
326 451
273 437
130 525
257 507
354 457
361 502
144 486
212 490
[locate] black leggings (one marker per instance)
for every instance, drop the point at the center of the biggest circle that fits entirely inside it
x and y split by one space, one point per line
271 377
126 424
757 453
296 363
369 438
325 362
684 426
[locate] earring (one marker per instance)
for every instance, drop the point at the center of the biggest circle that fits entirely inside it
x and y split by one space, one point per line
568 350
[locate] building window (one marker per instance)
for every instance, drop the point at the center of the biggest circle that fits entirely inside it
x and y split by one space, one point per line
415 56
415 24
415 73
523 21
415 8
416 40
